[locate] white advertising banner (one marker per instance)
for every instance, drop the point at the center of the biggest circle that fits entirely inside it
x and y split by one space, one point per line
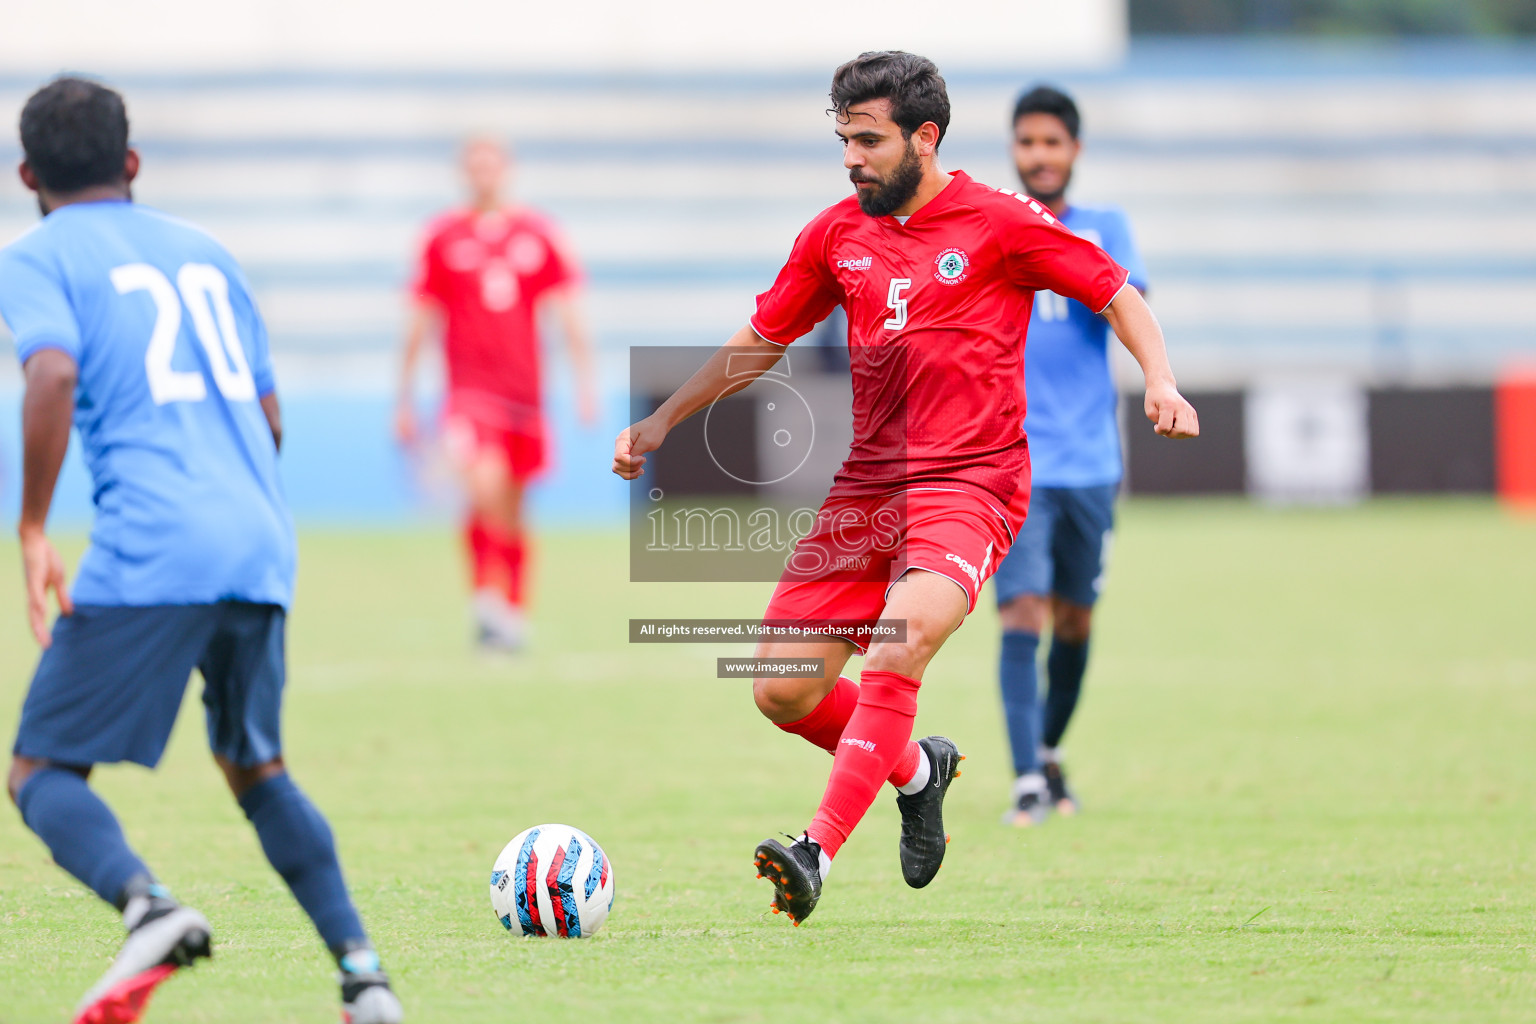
1307 441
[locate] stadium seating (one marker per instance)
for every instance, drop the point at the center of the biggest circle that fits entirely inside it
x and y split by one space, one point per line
1351 213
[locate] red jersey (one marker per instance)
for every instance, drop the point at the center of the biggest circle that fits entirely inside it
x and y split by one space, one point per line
937 311
488 272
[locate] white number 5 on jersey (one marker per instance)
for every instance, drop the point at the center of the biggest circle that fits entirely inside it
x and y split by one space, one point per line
204 290
898 305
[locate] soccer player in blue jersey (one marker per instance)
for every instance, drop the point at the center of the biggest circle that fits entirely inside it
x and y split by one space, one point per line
140 328
1056 566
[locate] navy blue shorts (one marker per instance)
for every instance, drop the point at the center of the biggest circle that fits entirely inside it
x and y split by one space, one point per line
110 686
1062 547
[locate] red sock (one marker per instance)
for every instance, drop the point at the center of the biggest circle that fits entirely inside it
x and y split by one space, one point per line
514 552
906 765
825 724
482 553
877 736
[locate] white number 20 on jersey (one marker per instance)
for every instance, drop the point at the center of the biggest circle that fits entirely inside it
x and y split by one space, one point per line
204 290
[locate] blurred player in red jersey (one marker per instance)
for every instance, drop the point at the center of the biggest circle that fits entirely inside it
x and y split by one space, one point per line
485 273
937 274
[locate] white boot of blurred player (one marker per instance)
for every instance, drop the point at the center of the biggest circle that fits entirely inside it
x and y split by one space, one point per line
499 625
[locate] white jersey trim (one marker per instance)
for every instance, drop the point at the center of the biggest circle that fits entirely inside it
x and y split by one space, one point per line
752 323
970 603
1115 296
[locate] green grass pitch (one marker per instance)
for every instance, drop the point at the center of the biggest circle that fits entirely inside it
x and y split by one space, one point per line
1305 753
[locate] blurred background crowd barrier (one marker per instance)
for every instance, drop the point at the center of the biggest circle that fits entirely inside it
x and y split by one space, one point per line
1340 230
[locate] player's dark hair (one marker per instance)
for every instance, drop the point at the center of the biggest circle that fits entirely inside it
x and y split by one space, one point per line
912 84
74 134
1045 99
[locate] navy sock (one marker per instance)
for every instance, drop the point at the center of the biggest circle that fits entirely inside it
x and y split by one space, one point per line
80 831
1064 667
1021 700
299 845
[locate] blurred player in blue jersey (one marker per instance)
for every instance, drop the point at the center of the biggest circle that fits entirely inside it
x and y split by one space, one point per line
1056 566
140 328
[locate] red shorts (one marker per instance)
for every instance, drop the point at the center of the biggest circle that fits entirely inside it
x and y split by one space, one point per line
468 436
844 568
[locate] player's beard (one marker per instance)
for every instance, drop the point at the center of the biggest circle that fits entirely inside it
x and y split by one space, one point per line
892 192
1047 197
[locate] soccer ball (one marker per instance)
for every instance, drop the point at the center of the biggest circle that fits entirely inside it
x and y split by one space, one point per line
552 880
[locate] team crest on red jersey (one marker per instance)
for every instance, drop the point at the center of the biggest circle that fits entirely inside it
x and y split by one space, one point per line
950 266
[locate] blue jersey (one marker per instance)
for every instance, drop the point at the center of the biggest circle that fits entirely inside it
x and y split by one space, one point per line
172 359
1074 440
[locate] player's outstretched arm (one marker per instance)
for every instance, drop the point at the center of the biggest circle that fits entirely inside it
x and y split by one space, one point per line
423 320
1136 327
734 365
578 345
46 413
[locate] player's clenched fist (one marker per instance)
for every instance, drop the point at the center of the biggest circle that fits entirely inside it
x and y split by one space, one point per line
1170 412
632 444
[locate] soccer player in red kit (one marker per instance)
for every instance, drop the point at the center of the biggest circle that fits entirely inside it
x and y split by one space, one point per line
937 274
484 274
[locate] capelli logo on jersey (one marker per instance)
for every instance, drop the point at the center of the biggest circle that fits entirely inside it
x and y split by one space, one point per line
951 265
862 263
965 567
